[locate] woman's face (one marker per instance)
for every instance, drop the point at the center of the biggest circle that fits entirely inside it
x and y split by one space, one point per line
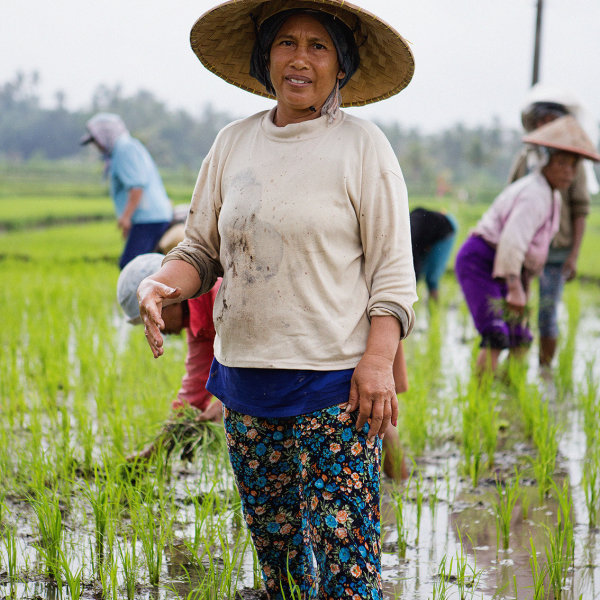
303 67
561 169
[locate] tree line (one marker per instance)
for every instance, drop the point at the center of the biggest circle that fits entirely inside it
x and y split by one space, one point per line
459 156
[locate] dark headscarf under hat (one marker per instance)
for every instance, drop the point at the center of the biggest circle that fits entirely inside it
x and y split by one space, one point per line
340 33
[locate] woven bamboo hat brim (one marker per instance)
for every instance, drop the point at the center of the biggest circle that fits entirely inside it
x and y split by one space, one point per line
223 37
566 134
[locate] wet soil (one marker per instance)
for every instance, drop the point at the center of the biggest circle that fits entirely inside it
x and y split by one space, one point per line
457 522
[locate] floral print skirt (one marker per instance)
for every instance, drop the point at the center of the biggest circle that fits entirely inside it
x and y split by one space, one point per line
310 493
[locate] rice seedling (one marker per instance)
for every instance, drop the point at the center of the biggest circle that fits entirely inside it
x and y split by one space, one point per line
103 496
152 523
220 571
434 498
152 537
50 528
560 551
546 443
401 528
205 507
589 399
418 498
231 555
256 570
504 506
129 566
108 575
479 427
525 503
590 482
10 542
467 576
293 590
566 352
63 439
73 578
539 574
441 582
413 413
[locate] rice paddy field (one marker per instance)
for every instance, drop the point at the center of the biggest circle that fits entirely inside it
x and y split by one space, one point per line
504 496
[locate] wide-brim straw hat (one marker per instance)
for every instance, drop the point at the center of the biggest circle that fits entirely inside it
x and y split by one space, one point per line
565 134
224 36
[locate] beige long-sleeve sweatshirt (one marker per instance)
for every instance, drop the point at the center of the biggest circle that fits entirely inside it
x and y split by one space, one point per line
309 226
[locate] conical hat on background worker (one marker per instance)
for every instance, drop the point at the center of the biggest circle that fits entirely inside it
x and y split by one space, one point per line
564 134
548 94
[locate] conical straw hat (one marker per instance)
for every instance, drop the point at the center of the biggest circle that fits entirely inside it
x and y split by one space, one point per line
566 134
223 37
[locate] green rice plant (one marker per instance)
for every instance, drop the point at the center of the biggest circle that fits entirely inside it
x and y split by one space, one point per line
151 525
590 482
401 528
221 572
539 574
546 443
205 508
418 498
566 353
441 585
430 361
109 577
103 496
479 426
528 397
11 559
467 576
231 556
73 579
50 528
413 410
256 570
525 502
84 432
560 551
589 399
129 565
530 404
293 589
504 506
151 538
434 498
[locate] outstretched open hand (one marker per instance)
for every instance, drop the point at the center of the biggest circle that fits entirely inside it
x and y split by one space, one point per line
151 296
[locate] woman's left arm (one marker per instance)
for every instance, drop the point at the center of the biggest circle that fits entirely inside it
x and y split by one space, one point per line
372 388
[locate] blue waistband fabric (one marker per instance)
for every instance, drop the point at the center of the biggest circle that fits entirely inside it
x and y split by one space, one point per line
277 392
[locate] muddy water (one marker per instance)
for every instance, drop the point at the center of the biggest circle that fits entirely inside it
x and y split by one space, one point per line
457 524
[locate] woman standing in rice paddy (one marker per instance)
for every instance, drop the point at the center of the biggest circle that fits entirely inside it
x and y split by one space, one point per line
304 211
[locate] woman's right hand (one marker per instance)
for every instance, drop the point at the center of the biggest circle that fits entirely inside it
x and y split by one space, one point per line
151 296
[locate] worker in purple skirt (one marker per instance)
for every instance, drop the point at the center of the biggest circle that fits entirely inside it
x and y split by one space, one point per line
509 245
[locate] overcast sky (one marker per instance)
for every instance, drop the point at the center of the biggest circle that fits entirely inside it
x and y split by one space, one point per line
473 57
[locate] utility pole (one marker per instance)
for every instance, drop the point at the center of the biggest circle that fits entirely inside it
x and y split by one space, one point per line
537 46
